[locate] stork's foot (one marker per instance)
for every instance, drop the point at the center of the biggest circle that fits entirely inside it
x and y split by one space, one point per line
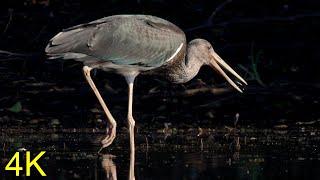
107 141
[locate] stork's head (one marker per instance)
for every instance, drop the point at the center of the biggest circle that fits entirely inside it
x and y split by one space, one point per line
204 52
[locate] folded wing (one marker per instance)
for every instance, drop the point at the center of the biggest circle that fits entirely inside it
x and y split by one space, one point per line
136 40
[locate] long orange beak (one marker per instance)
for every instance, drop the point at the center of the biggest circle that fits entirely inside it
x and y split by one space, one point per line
217 62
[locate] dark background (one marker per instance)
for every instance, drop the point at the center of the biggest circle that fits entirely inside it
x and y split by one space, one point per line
272 44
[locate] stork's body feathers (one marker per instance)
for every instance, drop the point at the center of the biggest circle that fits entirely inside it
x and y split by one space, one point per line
131 41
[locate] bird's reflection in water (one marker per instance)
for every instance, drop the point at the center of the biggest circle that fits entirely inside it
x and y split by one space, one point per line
109 166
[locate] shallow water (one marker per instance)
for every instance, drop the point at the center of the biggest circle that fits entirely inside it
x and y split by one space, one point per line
224 153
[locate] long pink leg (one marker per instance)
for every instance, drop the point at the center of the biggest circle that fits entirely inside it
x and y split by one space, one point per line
112 122
130 80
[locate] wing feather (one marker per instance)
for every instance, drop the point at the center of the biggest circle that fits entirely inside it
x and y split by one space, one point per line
123 40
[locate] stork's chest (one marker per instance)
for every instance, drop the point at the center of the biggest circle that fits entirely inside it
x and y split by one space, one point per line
174 68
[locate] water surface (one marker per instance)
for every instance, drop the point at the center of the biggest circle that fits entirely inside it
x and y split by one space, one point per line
221 153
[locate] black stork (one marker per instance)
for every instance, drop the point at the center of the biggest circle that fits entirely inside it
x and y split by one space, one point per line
134 44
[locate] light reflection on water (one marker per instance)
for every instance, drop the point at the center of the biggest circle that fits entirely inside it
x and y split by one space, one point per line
263 154
109 166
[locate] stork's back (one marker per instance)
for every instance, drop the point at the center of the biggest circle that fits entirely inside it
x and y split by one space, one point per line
121 40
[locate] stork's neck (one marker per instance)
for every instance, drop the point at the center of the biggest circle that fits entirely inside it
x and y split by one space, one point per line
188 67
